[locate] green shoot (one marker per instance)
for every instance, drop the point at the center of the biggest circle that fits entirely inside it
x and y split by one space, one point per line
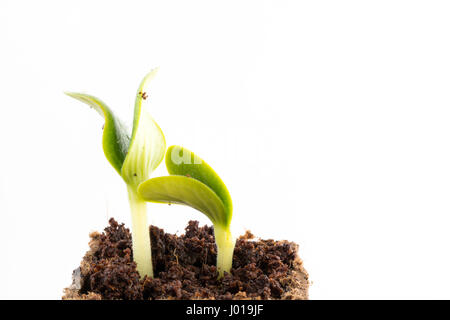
194 183
134 158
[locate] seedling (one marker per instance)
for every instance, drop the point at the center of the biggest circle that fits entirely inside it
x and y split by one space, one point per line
194 183
134 158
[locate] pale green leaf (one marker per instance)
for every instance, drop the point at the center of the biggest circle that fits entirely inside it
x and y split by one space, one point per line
192 182
187 191
147 145
115 137
181 161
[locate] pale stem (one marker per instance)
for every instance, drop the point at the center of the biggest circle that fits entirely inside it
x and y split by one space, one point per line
142 253
225 248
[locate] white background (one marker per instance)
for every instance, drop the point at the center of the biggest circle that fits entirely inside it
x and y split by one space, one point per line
329 121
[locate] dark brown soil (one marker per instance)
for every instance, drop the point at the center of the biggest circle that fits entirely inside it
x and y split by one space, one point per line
184 268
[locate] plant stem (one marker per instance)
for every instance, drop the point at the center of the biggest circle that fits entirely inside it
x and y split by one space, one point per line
225 248
142 253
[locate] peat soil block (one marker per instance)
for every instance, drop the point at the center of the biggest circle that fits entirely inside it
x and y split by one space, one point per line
184 268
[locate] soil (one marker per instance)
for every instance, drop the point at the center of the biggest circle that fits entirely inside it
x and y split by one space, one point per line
184 268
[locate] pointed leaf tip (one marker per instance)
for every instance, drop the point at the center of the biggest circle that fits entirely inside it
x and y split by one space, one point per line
115 137
147 145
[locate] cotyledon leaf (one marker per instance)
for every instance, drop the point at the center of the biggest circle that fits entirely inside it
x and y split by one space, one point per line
181 161
147 145
134 159
115 137
192 182
187 191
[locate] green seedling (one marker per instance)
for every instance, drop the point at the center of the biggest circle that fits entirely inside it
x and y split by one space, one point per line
134 157
194 183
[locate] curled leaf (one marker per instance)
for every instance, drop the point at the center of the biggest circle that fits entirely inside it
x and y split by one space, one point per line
134 159
147 145
115 137
184 190
192 182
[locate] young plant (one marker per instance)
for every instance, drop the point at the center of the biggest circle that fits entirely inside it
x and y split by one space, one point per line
134 158
194 183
